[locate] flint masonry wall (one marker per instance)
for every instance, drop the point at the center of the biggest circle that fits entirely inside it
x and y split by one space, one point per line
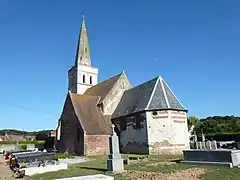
133 136
167 132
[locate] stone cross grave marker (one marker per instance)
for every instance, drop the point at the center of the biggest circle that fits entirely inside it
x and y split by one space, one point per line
114 162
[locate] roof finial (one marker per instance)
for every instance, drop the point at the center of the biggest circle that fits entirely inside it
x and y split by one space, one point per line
83 16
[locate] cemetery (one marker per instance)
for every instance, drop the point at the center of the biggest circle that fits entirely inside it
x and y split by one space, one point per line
205 160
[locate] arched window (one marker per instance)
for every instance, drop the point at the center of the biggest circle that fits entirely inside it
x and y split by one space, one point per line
90 79
83 78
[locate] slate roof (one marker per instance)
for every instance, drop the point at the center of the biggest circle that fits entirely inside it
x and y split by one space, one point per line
89 115
102 89
151 95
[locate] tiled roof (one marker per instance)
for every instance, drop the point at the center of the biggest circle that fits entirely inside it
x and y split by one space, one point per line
89 115
10 137
151 95
102 89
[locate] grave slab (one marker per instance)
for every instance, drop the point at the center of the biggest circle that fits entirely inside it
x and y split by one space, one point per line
225 164
90 177
74 160
48 168
217 156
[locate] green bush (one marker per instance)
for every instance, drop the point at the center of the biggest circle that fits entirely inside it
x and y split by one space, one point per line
23 146
23 142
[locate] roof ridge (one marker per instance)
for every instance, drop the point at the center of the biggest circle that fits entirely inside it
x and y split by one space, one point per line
144 83
75 110
164 93
106 80
172 93
86 95
153 91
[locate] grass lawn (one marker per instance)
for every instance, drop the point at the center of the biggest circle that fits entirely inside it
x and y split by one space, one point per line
153 167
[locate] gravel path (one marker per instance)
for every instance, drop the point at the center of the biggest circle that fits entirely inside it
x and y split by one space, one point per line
5 172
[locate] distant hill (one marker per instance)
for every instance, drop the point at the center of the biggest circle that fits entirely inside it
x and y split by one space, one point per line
26 133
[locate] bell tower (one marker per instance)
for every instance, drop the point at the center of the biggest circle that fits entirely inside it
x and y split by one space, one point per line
82 75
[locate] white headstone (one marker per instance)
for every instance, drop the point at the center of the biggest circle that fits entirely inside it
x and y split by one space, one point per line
208 145
214 144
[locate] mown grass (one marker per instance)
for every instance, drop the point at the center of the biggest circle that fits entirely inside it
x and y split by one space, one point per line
158 163
63 156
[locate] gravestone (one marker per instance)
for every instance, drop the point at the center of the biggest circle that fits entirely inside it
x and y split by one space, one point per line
203 140
196 145
195 142
208 145
200 145
114 162
214 144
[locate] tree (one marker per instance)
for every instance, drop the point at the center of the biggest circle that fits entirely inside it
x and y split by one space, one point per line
192 120
194 125
41 136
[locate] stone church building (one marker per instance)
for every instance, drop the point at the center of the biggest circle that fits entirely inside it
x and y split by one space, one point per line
149 118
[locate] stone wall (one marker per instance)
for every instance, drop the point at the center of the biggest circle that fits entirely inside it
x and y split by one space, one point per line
167 132
114 96
96 144
10 147
133 136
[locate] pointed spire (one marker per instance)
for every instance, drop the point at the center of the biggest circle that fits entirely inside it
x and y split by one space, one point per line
83 52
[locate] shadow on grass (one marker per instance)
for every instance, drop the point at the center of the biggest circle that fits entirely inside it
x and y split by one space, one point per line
97 169
176 161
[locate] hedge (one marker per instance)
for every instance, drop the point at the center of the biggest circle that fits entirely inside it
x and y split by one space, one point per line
23 142
222 137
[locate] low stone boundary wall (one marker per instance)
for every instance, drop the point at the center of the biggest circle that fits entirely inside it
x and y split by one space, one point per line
10 147
227 157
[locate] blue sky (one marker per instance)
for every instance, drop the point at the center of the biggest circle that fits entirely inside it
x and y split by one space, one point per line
193 45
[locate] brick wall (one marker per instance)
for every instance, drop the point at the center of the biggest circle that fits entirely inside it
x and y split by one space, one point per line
96 144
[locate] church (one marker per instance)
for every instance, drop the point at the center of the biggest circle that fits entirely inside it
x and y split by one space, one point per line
148 118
